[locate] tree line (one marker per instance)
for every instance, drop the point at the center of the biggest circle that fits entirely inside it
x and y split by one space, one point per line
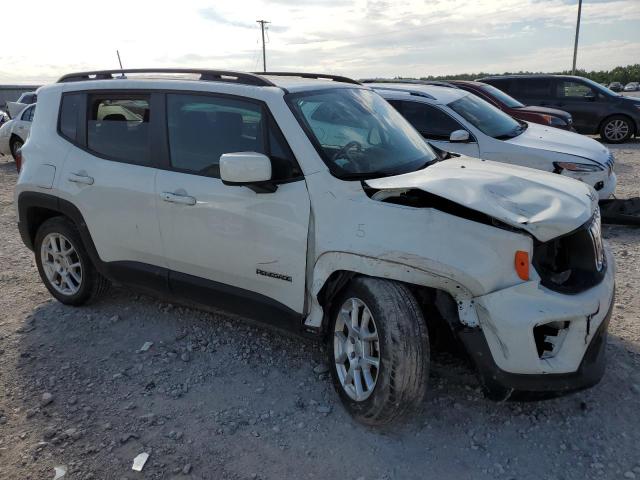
630 73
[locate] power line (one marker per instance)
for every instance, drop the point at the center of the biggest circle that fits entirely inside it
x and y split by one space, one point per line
264 53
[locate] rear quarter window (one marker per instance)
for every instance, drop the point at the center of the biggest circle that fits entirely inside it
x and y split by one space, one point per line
70 115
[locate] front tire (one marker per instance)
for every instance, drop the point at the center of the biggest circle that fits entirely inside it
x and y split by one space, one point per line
616 129
379 350
64 264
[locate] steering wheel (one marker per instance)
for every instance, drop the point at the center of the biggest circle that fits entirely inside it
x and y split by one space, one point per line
345 150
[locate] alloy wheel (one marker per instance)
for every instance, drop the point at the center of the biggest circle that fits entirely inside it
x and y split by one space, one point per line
616 130
61 264
356 349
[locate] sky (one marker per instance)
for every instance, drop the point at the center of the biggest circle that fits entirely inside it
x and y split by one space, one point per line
359 38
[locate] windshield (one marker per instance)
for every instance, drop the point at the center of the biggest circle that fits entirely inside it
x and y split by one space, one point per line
358 134
487 118
503 97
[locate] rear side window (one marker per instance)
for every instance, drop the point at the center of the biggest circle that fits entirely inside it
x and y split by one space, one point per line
534 87
430 121
118 127
202 128
70 115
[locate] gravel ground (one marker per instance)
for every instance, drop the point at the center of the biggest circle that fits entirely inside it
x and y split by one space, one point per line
214 397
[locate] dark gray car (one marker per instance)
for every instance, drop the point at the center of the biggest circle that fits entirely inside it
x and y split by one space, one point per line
594 108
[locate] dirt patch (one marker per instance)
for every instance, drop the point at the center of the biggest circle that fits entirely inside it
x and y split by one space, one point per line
216 398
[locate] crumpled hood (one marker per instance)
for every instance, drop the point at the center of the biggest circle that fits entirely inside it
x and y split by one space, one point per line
544 204
561 141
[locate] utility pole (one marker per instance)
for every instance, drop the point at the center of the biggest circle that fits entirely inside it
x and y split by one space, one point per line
575 45
264 54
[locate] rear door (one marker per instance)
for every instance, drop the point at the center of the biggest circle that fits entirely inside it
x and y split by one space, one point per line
581 101
228 244
436 126
109 174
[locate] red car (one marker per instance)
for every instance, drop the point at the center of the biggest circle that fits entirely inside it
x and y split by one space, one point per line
543 115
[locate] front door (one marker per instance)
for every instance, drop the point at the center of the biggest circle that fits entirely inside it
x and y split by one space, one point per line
581 101
230 239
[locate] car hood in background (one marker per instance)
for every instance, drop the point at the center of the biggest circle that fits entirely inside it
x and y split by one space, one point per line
561 141
544 204
545 111
14 108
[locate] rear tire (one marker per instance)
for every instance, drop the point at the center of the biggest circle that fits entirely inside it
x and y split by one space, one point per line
387 327
64 264
616 129
15 145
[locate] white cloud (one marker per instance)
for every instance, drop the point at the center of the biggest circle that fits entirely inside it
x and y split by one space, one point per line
353 37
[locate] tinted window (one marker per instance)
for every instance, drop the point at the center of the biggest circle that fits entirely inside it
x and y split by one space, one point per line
534 87
504 84
118 128
358 134
571 89
485 117
69 115
202 128
430 121
27 115
501 96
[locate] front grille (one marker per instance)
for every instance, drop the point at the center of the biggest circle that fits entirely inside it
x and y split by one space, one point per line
574 262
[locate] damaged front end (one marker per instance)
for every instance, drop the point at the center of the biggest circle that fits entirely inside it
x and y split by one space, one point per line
547 332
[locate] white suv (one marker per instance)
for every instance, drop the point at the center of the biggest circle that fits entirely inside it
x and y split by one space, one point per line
309 202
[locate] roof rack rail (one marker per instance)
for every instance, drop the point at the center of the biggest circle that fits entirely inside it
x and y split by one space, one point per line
415 93
205 75
435 83
335 78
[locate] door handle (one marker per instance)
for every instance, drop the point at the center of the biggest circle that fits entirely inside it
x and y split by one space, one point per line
175 198
80 178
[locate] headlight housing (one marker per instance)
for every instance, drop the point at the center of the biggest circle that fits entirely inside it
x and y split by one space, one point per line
576 167
554 121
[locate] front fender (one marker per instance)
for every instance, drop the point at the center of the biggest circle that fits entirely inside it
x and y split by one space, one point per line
389 268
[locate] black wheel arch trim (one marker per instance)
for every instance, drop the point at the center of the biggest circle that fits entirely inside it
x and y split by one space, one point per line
28 202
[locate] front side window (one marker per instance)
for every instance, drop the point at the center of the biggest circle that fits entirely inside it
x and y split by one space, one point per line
358 134
430 121
485 117
118 128
571 89
27 115
203 127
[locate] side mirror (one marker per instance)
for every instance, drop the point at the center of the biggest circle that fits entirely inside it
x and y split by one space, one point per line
459 136
590 96
250 169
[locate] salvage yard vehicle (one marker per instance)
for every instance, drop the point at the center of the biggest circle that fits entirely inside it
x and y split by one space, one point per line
27 98
308 202
456 121
595 109
14 133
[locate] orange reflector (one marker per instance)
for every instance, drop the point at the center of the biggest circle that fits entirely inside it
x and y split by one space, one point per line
522 264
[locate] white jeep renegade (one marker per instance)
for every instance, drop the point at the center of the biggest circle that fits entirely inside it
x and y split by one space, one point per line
307 201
